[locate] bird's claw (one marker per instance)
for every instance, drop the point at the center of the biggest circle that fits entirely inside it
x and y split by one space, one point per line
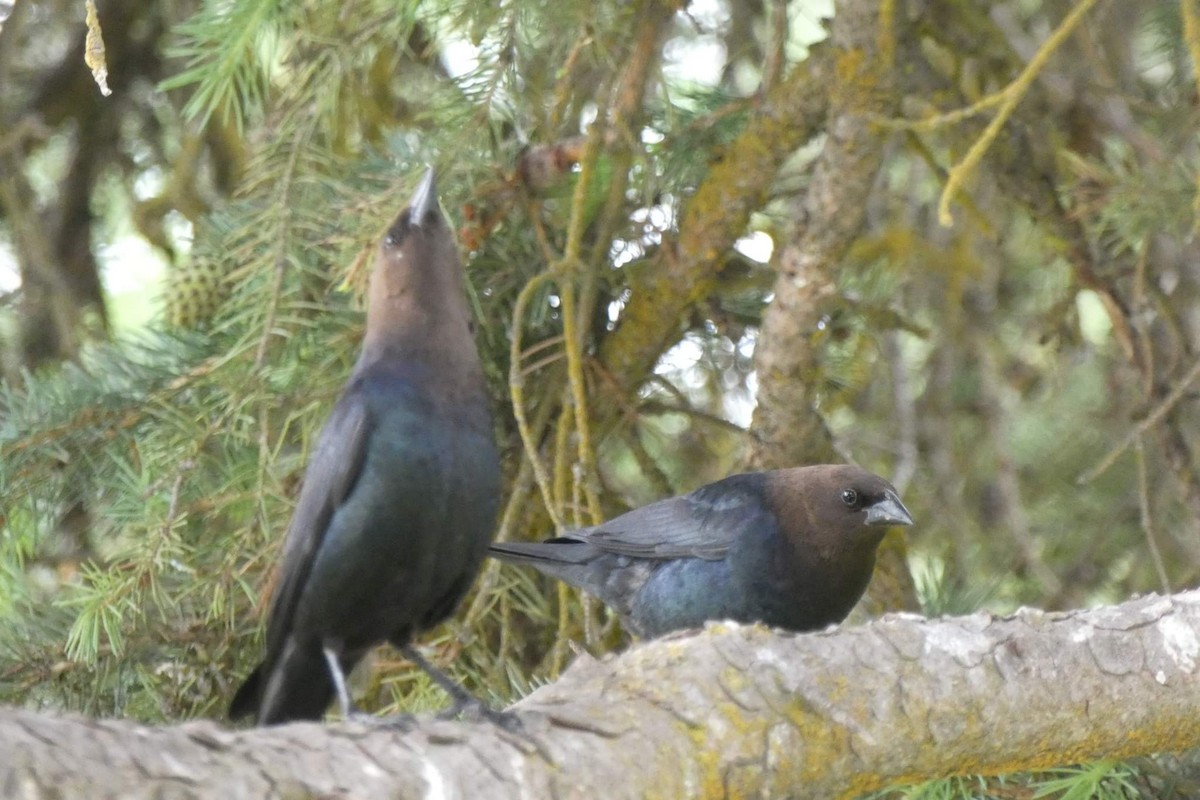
476 710
403 723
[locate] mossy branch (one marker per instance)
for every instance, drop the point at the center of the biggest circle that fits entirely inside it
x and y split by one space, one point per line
733 711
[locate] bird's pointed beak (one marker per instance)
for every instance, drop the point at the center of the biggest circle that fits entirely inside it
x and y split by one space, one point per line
888 511
424 199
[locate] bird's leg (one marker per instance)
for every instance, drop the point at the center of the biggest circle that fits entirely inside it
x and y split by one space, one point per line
403 722
339 683
464 701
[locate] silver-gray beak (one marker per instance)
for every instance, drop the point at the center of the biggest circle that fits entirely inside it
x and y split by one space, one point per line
424 199
888 511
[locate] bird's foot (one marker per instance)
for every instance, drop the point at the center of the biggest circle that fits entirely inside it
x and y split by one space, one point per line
472 708
475 710
403 723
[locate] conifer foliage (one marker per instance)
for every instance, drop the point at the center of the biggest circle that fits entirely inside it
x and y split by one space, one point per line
1006 326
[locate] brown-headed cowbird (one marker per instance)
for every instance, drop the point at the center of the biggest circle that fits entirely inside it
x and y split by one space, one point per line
792 548
399 500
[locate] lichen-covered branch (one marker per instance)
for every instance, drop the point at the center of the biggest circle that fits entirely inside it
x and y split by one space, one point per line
789 429
714 218
734 711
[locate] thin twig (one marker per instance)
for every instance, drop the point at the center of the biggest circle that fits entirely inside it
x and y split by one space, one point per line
906 415
558 654
773 64
1191 37
650 469
570 269
562 441
540 346
997 417
1139 304
516 387
565 86
1152 419
578 386
658 407
660 482
1011 95
529 369
486 585
1147 519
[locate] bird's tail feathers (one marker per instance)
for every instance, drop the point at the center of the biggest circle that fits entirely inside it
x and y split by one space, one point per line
245 701
296 687
562 550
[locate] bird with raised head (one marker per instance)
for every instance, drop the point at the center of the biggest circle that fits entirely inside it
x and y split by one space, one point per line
400 496
791 548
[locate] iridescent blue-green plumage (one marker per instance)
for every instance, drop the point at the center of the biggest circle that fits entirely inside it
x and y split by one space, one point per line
399 499
791 548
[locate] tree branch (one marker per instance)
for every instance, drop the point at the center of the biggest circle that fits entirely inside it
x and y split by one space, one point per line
714 218
788 426
734 711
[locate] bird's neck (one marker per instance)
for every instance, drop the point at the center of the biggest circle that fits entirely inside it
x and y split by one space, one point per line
417 316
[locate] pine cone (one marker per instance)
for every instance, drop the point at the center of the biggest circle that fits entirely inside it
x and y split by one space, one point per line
194 293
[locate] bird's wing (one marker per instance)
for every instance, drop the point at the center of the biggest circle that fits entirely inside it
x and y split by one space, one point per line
332 472
703 524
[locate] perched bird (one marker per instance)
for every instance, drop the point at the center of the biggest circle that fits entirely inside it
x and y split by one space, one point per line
792 548
399 500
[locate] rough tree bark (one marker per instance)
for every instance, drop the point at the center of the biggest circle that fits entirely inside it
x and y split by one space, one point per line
713 219
789 429
734 711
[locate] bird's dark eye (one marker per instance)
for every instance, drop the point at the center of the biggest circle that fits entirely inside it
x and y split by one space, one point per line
850 498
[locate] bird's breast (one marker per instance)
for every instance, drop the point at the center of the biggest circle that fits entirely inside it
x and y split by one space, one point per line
415 528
